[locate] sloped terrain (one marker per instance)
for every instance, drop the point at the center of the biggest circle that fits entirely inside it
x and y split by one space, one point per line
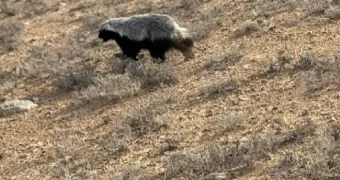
260 100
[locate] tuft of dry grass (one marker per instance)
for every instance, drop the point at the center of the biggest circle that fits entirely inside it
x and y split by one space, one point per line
218 88
128 172
321 71
247 28
314 6
75 79
108 88
9 35
141 121
119 65
224 122
221 60
147 118
153 129
203 26
43 62
234 157
320 159
333 12
278 63
305 62
152 75
5 10
28 8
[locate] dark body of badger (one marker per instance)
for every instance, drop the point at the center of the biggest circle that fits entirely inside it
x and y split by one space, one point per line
154 32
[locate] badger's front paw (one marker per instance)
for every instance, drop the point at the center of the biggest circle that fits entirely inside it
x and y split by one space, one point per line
119 55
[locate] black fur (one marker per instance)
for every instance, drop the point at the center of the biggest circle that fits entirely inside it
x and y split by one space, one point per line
131 48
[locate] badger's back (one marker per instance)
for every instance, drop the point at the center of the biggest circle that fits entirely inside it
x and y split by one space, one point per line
147 26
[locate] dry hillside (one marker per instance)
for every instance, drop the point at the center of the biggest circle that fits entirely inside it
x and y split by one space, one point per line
260 100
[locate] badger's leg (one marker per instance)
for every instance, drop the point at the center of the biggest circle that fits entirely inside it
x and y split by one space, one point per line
158 54
129 48
158 49
132 53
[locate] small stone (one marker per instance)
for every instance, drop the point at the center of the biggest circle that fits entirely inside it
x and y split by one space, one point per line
208 113
181 178
216 176
272 108
304 112
10 107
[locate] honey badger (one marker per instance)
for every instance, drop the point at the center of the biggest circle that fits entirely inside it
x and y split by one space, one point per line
154 32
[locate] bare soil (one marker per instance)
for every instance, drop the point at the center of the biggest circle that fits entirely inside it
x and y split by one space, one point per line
260 100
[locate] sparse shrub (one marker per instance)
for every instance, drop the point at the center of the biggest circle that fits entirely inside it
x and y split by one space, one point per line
278 63
31 8
68 148
305 62
247 28
322 71
28 8
205 24
108 88
49 61
6 87
42 62
141 122
131 172
224 58
319 159
91 21
224 122
5 10
182 165
75 79
231 158
234 157
315 6
81 6
9 35
219 88
73 49
333 12
151 75
189 4
145 119
168 144
128 173
118 65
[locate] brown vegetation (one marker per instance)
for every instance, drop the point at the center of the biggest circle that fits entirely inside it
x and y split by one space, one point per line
259 100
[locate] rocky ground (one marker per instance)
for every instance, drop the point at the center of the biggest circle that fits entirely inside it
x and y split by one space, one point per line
260 100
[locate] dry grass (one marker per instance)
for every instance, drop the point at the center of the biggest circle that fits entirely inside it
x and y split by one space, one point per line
247 28
75 79
250 107
219 88
234 158
108 88
320 161
9 35
28 8
322 71
224 58
152 75
333 13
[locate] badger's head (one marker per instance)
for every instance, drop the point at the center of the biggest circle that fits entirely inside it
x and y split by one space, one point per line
106 33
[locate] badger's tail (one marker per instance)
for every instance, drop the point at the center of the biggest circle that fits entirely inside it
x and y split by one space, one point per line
183 42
